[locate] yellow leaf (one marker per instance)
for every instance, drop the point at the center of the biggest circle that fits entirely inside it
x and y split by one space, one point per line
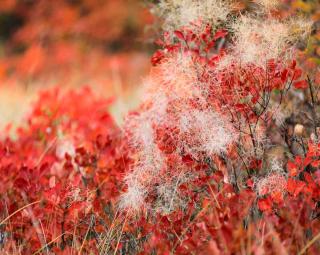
302 6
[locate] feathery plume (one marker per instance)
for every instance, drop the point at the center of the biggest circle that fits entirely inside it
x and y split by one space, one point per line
274 182
180 13
205 131
259 39
268 5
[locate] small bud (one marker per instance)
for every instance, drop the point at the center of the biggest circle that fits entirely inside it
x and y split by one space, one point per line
298 129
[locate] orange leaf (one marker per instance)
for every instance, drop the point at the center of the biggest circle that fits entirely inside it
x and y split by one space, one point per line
292 169
265 204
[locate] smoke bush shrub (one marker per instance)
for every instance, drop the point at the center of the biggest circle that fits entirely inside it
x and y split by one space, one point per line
192 170
211 101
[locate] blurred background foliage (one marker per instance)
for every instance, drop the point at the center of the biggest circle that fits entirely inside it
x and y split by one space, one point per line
39 36
71 43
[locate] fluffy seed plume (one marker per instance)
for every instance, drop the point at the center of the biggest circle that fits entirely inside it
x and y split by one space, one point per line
167 120
274 182
268 5
177 116
180 13
259 39
134 199
175 78
205 131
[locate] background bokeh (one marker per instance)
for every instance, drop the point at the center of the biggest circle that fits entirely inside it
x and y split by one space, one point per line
71 43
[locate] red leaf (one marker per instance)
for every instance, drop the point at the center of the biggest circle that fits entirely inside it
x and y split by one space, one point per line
277 197
220 34
277 83
179 34
292 168
271 65
210 45
293 65
307 161
187 159
250 183
21 183
300 84
265 204
315 163
157 57
284 75
239 107
297 74
294 187
309 179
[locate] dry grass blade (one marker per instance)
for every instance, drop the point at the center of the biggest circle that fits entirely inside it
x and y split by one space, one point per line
14 213
52 241
85 237
309 244
118 242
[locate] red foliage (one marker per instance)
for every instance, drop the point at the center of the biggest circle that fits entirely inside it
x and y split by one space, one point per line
69 159
61 178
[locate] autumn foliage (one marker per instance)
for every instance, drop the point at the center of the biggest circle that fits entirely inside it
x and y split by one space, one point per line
222 156
70 42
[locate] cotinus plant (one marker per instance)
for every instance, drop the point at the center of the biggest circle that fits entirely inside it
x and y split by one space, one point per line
221 157
204 178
